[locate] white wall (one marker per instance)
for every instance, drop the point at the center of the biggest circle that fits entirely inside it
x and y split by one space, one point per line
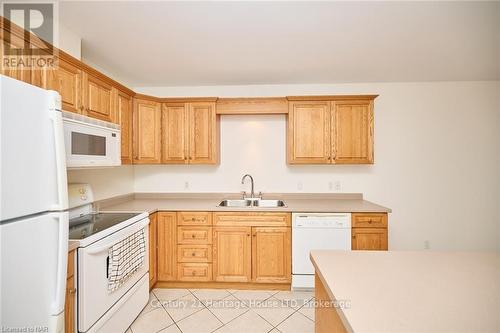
437 158
70 42
106 183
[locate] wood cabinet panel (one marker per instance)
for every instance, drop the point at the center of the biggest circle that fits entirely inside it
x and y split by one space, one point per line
69 85
69 306
147 132
352 132
194 253
194 235
194 218
326 318
369 239
194 272
69 310
309 133
271 255
167 246
153 245
124 112
252 219
369 220
98 99
203 133
175 126
232 258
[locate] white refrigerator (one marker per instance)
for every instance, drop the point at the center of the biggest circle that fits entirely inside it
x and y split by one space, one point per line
33 210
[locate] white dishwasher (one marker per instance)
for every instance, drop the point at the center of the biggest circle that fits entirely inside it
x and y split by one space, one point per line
316 231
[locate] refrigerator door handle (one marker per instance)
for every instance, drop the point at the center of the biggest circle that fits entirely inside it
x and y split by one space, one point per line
62 262
62 181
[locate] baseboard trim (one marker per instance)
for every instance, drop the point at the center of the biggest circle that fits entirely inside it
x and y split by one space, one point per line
222 285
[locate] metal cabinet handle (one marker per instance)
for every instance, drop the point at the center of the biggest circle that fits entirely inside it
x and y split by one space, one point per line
72 291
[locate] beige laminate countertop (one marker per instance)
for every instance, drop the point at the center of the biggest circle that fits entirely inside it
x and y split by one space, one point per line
421 291
315 203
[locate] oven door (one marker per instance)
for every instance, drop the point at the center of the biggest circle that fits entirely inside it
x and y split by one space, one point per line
94 299
90 145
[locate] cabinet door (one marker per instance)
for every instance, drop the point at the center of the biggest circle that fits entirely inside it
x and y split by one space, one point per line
123 105
69 85
352 132
271 255
174 141
203 133
153 243
369 239
69 302
167 246
147 132
69 306
14 65
232 258
98 99
308 138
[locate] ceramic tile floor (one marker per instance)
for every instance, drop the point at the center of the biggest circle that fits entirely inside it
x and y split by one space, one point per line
226 311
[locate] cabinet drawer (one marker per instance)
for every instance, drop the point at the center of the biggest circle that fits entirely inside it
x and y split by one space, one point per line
194 272
194 235
194 253
369 220
252 219
194 218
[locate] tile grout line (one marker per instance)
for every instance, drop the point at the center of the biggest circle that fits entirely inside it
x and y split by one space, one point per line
203 309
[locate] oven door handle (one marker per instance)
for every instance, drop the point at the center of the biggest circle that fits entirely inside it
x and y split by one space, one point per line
140 225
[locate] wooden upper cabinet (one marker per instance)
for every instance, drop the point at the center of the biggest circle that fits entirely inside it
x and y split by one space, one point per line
167 246
98 100
124 110
271 255
309 132
232 256
190 133
174 123
147 131
338 131
21 72
68 82
203 133
352 132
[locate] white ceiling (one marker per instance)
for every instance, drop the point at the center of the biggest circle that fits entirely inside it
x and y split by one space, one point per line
222 43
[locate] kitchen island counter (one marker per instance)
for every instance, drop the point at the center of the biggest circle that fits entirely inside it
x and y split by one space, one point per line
421 291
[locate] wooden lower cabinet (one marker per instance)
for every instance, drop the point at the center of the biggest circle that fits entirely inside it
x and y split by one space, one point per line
69 306
369 231
369 239
153 246
271 255
232 257
167 246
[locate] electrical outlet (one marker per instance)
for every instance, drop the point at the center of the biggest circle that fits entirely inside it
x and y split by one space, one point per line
186 185
330 186
427 244
300 186
337 186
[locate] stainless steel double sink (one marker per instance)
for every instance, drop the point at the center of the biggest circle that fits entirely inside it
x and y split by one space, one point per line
242 203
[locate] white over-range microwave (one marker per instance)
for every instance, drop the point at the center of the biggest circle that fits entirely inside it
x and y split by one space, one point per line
90 142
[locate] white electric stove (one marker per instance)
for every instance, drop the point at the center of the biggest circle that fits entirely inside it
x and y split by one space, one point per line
94 233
